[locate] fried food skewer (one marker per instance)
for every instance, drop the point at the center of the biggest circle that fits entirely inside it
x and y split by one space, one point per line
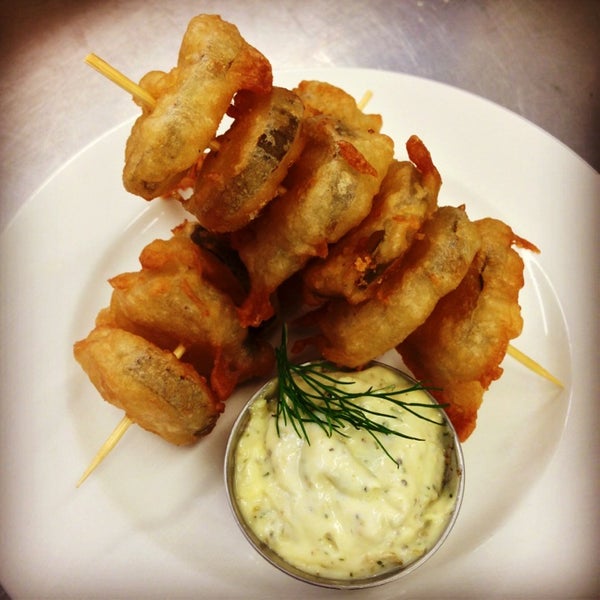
142 95
148 102
118 432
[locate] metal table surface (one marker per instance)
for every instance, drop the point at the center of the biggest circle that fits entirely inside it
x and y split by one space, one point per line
538 58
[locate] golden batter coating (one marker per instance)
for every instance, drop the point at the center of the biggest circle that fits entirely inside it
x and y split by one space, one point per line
244 172
355 266
352 335
168 139
459 348
329 190
156 390
184 295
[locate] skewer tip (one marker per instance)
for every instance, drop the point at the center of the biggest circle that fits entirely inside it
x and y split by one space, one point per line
533 365
108 445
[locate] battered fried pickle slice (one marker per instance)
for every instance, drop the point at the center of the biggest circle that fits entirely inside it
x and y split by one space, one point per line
329 190
252 158
184 294
435 264
355 266
460 346
156 391
214 63
322 98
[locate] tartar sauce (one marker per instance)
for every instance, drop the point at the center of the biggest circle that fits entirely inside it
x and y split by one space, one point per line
339 507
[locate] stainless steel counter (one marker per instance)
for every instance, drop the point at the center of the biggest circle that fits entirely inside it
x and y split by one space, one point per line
538 58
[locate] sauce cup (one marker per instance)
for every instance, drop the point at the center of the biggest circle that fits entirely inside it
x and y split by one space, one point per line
360 475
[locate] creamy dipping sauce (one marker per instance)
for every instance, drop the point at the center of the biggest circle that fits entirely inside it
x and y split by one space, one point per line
340 508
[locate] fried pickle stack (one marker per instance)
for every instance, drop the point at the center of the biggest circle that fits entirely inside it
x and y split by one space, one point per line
302 186
181 301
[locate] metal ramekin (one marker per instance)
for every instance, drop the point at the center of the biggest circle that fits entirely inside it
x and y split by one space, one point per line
454 477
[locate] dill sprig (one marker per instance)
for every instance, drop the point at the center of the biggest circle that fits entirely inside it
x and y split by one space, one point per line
306 393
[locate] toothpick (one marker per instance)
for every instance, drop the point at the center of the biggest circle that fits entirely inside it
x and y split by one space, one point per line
108 445
533 365
365 100
121 80
117 434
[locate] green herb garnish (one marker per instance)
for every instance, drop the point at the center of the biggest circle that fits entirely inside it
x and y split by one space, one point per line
308 394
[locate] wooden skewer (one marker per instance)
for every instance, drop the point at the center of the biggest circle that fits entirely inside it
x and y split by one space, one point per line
118 432
121 80
365 100
533 365
109 444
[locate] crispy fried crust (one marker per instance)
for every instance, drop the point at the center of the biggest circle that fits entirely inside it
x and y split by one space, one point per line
184 295
251 160
460 346
355 266
156 391
352 335
329 190
214 63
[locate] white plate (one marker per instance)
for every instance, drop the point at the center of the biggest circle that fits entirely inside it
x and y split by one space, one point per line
153 520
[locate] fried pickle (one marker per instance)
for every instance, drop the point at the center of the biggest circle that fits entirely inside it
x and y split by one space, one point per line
244 172
156 390
329 190
459 348
356 264
168 139
352 335
183 294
